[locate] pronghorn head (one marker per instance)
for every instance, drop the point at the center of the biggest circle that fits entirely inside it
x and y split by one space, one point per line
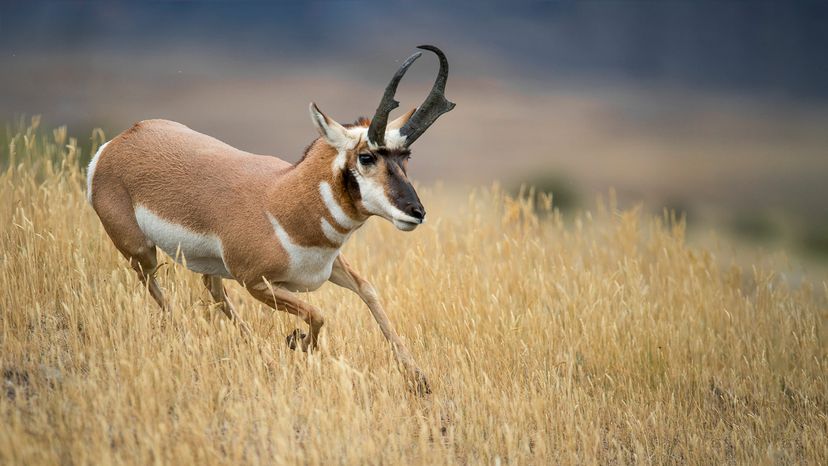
373 155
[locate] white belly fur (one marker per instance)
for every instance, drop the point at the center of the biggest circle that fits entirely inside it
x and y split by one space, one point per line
201 253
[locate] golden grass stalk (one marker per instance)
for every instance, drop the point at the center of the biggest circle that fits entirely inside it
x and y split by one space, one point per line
600 339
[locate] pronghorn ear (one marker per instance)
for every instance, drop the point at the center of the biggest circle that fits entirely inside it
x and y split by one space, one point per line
333 132
399 122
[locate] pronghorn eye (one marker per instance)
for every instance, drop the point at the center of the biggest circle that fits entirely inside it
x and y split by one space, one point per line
367 159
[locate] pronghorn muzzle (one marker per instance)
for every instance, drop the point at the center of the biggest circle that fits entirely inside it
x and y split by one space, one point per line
404 195
433 106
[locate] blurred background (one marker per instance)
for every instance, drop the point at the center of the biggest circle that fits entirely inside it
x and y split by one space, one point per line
717 109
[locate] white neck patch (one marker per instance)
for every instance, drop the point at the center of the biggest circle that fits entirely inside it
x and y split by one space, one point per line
332 234
339 215
310 266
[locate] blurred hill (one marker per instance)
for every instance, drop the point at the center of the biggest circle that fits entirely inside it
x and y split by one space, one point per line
723 104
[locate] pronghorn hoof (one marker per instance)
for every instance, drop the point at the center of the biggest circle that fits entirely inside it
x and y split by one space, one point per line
294 339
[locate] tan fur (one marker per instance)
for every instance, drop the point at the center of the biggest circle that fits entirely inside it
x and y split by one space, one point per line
208 187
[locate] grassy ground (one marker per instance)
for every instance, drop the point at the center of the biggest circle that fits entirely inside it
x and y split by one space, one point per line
602 338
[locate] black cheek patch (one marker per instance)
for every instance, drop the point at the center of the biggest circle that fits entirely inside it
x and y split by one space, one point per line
351 185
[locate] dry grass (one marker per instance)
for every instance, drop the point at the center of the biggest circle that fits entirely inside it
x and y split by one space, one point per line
600 339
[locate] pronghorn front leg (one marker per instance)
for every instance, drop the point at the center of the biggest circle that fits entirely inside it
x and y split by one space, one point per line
219 295
345 276
284 300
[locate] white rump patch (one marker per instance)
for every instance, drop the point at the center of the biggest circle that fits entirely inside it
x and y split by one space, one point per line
202 253
90 171
310 266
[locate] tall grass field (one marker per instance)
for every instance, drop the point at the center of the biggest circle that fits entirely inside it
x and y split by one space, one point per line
597 337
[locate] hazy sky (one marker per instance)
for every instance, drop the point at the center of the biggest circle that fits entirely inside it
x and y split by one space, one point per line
777 47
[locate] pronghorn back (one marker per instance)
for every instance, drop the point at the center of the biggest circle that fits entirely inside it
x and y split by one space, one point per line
183 189
176 171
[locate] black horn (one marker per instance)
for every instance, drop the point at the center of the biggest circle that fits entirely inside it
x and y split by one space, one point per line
376 132
434 105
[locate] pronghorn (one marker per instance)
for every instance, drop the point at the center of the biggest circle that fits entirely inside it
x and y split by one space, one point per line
275 227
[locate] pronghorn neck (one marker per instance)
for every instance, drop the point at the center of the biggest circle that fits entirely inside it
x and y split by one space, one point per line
320 209
324 164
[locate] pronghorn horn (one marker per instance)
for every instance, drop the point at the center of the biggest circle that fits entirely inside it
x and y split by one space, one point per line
433 106
376 132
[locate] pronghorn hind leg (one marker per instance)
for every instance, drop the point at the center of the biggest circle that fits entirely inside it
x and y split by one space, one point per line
219 295
284 300
145 264
118 218
345 276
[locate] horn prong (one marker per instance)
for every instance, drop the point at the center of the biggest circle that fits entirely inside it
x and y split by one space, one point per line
376 131
433 106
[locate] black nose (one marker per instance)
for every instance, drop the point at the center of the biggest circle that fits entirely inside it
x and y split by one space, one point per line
417 212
